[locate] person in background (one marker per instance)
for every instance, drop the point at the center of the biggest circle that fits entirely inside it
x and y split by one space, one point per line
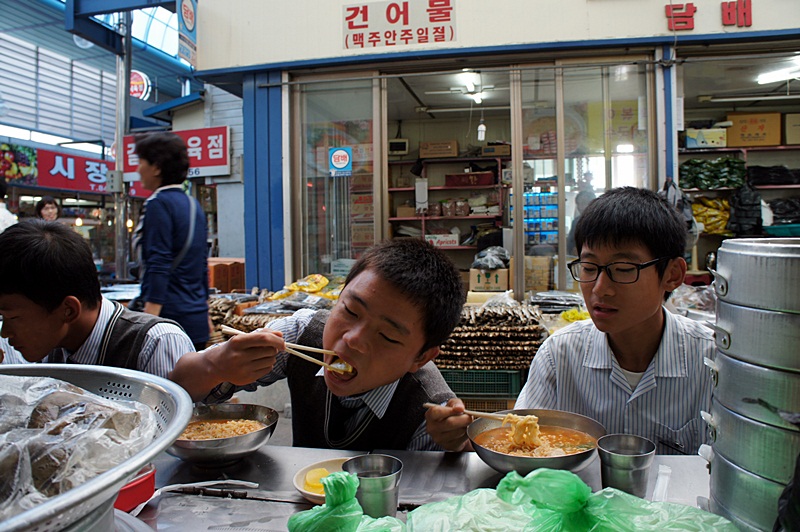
634 367
7 219
53 310
171 238
582 200
48 209
400 302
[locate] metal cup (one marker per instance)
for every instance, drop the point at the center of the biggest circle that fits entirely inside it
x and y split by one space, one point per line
625 461
379 483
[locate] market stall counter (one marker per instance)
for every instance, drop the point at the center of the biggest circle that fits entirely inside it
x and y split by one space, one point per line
427 477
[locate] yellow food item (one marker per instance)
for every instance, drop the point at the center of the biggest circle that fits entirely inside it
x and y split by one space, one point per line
311 283
574 314
313 481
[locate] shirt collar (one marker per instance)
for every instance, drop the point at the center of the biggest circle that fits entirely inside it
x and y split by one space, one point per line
377 399
670 360
89 351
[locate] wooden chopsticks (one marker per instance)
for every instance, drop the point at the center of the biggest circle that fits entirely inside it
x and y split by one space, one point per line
293 349
497 417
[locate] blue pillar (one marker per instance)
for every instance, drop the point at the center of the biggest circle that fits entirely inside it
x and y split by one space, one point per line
263 181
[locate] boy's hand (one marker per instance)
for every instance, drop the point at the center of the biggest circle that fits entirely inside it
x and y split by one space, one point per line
447 425
246 357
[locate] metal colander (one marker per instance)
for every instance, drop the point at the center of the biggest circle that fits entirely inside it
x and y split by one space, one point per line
93 501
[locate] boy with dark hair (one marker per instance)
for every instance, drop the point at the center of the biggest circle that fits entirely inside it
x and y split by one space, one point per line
634 367
53 310
400 302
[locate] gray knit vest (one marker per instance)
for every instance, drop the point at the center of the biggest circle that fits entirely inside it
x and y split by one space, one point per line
122 340
314 407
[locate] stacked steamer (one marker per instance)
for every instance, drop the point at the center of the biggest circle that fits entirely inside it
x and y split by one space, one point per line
757 376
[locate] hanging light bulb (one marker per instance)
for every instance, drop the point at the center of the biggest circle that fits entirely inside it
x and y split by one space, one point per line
481 130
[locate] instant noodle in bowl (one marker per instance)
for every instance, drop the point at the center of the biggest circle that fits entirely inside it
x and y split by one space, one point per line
219 435
530 439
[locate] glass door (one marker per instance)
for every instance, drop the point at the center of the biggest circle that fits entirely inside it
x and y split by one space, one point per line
332 178
584 129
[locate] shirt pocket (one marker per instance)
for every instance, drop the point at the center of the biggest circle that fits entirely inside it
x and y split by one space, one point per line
684 440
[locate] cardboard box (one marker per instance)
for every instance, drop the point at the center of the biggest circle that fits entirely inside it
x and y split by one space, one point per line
537 273
443 241
496 150
361 208
754 129
362 235
467 179
791 128
219 276
445 148
488 280
706 138
406 212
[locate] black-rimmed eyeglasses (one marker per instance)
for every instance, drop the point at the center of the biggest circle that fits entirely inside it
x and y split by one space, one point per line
618 272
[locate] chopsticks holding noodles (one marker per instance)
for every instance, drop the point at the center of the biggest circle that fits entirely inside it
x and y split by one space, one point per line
293 349
498 417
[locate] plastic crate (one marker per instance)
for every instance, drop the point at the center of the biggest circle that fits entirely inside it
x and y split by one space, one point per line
481 383
484 404
783 230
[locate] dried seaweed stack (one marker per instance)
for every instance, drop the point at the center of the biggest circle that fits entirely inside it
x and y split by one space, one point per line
494 338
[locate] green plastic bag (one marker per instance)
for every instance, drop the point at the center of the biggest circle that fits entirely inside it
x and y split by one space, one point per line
549 500
341 511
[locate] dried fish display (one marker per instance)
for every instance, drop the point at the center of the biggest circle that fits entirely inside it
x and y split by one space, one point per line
494 337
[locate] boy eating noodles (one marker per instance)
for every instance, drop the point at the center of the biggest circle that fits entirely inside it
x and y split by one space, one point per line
400 302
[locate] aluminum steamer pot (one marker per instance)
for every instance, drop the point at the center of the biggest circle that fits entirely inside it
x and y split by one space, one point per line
762 337
763 450
748 500
735 381
759 273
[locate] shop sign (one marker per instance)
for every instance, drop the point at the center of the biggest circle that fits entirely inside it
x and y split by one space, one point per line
140 85
73 172
340 161
187 36
738 13
387 24
209 153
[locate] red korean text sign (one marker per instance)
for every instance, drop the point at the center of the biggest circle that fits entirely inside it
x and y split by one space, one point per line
73 172
396 23
209 152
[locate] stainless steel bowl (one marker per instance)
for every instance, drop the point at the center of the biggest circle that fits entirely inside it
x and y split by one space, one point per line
221 452
525 464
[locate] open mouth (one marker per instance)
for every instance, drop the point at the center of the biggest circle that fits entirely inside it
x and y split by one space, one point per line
342 369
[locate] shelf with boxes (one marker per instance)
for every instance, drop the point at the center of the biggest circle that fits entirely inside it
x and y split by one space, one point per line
459 192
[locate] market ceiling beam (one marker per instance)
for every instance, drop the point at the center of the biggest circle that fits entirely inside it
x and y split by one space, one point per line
78 13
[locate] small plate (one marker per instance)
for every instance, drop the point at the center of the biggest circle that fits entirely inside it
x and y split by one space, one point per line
333 465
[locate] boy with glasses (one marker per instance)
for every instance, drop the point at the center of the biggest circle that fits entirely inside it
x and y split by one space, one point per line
634 367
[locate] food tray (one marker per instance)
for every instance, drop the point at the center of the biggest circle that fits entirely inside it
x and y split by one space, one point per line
478 382
782 230
93 500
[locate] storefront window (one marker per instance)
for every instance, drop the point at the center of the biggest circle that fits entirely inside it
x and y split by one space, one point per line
335 194
594 120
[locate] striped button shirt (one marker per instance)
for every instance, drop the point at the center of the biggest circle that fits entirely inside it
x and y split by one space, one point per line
376 400
575 370
163 345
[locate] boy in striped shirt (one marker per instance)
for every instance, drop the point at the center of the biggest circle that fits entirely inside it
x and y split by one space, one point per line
635 367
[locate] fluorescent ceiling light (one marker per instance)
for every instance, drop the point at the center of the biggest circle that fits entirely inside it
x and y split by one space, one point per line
752 98
777 76
478 97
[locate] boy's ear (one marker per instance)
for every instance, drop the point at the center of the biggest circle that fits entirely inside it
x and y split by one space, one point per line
72 308
423 358
675 273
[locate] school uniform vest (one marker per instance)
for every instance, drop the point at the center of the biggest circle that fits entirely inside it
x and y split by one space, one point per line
318 418
122 341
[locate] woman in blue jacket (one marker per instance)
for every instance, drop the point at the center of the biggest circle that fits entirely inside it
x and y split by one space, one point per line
171 238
